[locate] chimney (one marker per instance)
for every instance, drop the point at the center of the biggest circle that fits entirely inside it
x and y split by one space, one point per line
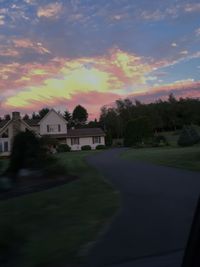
15 115
16 122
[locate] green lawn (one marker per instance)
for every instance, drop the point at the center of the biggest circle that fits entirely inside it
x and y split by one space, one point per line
187 158
58 225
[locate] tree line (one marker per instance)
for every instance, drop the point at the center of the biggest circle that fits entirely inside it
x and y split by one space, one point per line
163 115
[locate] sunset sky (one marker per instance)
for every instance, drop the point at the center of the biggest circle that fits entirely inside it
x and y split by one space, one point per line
91 52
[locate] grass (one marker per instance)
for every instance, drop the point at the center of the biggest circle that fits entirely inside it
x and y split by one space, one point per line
186 158
56 225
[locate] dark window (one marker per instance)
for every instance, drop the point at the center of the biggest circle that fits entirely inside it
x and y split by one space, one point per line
75 141
96 139
53 128
5 134
1 148
5 146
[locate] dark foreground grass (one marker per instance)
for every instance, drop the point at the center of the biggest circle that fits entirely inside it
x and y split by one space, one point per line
186 158
55 227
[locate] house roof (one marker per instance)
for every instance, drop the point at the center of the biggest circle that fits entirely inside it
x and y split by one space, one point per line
50 111
3 123
55 135
85 132
32 122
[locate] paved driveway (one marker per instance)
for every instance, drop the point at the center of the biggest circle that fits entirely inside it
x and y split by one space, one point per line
157 207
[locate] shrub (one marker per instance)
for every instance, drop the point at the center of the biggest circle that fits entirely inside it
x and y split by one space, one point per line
63 148
188 137
87 147
100 147
28 151
25 151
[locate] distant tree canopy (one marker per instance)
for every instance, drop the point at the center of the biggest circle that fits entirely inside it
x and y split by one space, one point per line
79 115
137 131
43 112
167 115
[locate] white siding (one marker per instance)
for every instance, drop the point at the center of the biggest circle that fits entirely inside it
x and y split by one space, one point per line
9 140
53 118
36 129
2 146
84 141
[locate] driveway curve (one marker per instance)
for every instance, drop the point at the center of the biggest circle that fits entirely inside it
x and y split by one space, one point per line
157 207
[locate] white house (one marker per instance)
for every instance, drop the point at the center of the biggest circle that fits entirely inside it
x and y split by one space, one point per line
76 138
52 125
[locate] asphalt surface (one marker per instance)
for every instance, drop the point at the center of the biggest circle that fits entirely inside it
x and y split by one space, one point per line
157 207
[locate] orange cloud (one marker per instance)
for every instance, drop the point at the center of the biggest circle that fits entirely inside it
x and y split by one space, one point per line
108 73
50 10
182 88
115 74
27 43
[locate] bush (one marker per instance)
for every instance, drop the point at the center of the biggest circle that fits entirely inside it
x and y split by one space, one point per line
63 148
25 152
100 147
87 147
188 137
30 152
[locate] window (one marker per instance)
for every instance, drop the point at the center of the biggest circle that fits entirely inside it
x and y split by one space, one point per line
1 148
75 141
96 139
6 146
53 128
5 134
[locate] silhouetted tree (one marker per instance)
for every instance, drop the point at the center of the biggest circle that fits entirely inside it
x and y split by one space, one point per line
79 115
93 124
137 131
7 117
111 122
67 115
43 112
26 117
